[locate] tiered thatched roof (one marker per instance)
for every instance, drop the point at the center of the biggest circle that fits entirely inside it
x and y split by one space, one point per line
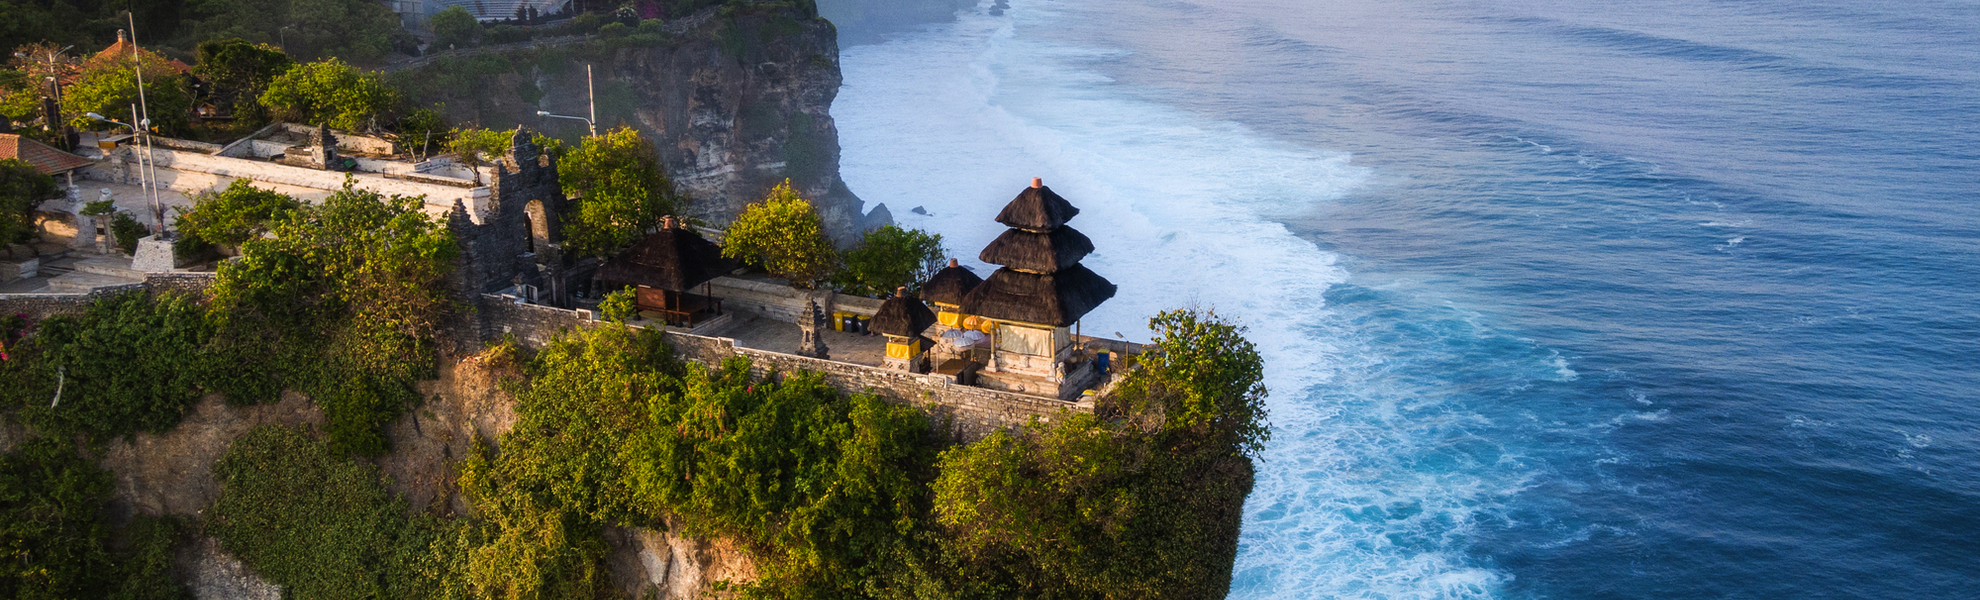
1058 299
902 316
950 285
1038 252
1042 281
673 258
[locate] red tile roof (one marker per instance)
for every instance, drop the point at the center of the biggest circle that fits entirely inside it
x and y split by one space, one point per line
48 160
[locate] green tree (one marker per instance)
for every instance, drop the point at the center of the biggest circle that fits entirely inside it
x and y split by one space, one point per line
620 192
22 189
109 87
889 258
128 363
237 72
1201 375
454 27
330 91
783 235
359 31
477 147
234 215
619 306
344 301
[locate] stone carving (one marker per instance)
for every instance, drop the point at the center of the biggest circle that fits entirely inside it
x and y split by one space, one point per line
809 324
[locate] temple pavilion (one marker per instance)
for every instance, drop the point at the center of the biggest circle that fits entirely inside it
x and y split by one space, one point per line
1031 305
665 267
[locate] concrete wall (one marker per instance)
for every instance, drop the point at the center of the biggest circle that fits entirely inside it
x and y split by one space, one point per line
780 302
193 172
962 412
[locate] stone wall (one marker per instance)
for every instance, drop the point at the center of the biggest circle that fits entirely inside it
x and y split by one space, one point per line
38 306
965 413
780 302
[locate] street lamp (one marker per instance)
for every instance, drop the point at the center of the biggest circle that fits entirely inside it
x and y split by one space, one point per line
284 33
587 122
157 210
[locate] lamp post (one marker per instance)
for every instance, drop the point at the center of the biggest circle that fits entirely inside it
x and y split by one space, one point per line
284 35
587 122
591 96
144 156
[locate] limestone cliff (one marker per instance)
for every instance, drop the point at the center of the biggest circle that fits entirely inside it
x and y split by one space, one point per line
736 101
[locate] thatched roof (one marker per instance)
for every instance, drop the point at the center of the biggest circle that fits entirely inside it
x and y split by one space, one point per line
1037 208
902 316
1038 252
673 259
1057 299
949 285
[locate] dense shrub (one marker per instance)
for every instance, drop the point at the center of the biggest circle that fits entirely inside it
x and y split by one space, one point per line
234 215
344 303
783 235
128 363
22 189
127 230
319 524
53 540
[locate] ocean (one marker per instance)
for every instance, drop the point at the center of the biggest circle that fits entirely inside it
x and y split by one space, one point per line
1559 299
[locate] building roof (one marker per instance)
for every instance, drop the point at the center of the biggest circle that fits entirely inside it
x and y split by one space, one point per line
673 258
950 285
44 158
1037 209
902 316
1058 299
1038 252
122 50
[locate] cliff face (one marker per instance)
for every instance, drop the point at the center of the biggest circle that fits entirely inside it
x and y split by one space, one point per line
735 103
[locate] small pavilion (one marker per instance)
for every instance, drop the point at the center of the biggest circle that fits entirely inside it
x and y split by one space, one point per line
1030 305
946 291
664 268
902 319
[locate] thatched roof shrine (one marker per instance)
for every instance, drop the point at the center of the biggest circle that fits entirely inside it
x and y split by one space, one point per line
673 258
1038 252
902 316
1037 209
950 285
1058 299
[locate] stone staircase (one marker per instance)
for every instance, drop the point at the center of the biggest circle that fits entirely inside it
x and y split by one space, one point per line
85 274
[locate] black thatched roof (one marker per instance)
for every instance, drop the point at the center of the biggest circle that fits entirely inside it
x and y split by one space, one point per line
1037 208
1056 299
673 259
902 316
949 285
1038 252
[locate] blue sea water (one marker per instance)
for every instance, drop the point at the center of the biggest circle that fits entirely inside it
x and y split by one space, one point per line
1559 299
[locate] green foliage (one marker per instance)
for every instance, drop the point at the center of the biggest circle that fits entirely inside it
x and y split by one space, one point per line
422 130
53 542
619 306
237 72
454 27
888 258
620 192
783 235
22 189
319 524
359 31
128 363
98 208
1201 375
234 215
108 87
1086 509
344 302
477 147
330 91
127 230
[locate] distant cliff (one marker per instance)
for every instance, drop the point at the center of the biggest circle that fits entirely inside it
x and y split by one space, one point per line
735 100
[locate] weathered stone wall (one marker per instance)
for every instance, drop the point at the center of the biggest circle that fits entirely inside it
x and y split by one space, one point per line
780 302
965 413
40 306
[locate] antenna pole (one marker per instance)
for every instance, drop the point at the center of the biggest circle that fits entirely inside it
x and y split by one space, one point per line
591 93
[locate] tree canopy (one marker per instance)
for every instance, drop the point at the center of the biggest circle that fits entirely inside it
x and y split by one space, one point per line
888 258
22 189
108 86
332 92
234 215
454 27
783 235
237 72
619 192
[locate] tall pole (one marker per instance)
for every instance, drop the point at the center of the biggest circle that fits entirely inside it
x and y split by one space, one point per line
137 59
591 93
143 156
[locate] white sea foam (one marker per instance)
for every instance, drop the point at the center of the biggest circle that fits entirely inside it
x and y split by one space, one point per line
1368 490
